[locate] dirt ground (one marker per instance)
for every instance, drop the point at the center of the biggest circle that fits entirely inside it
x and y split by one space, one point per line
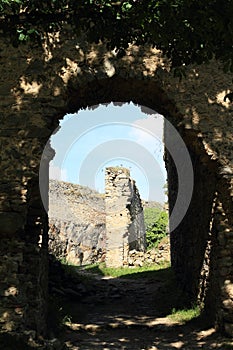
117 313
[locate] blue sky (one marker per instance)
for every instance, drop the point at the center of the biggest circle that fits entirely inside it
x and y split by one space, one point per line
111 135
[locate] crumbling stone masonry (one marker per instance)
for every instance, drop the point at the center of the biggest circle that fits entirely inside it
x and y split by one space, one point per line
125 228
39 84
77 233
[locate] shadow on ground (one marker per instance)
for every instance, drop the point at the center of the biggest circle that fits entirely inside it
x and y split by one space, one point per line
128 312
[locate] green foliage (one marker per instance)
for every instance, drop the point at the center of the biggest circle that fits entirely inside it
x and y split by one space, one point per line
185 315
150 216
187 31
156 223
25 35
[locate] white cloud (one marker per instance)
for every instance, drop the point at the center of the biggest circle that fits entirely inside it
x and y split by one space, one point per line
148 132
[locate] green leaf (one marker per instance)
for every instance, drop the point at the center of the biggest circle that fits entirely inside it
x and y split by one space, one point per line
23 37
31 31
126 6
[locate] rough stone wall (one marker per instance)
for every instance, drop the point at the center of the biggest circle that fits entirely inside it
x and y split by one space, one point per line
137 237
76 222
125 228
38 85
22 303
220 291
190 241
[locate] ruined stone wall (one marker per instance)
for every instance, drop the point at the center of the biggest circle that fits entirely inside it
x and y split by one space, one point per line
38 86
76 223
190 241
125 228
77 219
137 237
203 266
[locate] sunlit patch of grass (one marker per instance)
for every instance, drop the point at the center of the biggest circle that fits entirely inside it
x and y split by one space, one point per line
126 272
93 268
185 315
134 272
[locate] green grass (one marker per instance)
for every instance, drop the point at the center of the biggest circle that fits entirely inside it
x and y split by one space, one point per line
185 315
126 272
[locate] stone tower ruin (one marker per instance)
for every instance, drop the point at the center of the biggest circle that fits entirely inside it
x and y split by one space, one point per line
125 229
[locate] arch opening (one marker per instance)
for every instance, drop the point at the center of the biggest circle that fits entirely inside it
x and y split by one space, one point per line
189 240
174 178
193 231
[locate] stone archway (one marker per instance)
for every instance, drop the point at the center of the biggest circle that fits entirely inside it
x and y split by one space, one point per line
40 85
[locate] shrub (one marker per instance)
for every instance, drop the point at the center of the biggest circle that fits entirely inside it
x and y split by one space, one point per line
156 223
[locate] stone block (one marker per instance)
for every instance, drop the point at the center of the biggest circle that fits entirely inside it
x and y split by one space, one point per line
228 304
138 262
229 289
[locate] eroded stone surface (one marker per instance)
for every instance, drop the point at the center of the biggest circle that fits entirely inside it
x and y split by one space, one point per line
76 223
38 86
125 229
